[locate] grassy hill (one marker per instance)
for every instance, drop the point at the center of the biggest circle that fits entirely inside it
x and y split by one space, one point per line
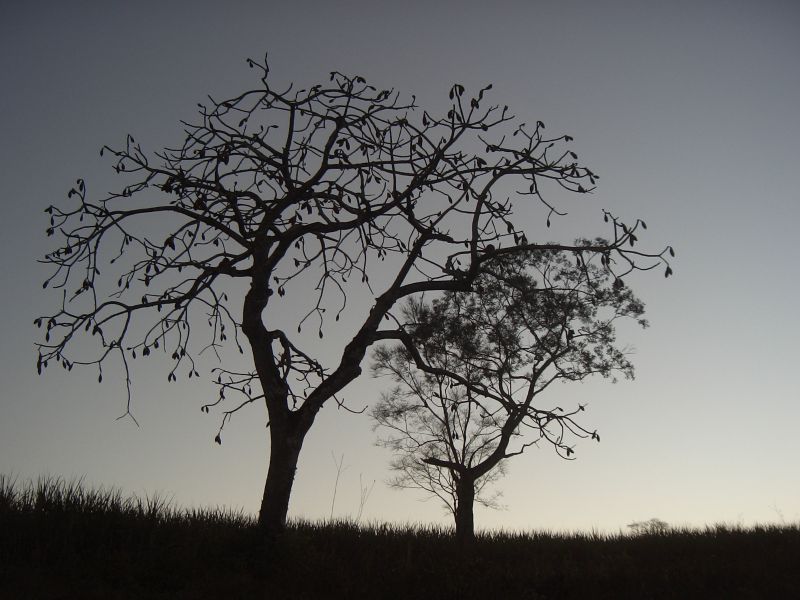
61 540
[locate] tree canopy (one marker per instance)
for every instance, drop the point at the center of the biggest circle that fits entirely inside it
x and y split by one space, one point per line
473 366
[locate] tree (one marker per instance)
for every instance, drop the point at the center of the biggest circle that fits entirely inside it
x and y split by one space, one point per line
289 191
473 366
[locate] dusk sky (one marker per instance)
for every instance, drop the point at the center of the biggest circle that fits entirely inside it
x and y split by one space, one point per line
687 110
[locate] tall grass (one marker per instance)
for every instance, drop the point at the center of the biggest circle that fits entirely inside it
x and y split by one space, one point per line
55 495
62 539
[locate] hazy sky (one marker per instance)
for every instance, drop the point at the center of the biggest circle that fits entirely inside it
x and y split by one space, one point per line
687 110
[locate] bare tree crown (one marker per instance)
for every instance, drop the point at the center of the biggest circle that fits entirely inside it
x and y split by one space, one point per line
276 185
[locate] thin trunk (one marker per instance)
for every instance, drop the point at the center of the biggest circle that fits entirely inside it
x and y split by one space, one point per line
284 453
465 500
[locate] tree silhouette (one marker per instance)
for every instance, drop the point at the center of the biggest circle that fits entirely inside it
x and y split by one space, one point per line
278 198
472 367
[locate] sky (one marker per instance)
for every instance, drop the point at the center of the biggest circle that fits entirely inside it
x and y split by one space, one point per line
687 110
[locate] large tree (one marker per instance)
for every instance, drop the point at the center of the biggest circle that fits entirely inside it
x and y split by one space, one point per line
472 367
312 196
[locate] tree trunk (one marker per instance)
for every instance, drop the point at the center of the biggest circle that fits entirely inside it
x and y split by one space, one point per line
465 500
284 452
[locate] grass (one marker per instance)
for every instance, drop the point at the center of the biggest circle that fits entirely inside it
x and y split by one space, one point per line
60 539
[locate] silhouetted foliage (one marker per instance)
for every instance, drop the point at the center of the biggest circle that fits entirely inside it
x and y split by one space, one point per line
473 367
279 199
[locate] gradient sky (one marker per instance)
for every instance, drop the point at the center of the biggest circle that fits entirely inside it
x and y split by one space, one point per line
687 110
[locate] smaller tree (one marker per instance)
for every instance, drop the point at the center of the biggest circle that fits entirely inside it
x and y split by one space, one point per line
472 366
654 526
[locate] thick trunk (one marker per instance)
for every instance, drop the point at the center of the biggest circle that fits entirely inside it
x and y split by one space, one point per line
286 432
284 452
465 500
